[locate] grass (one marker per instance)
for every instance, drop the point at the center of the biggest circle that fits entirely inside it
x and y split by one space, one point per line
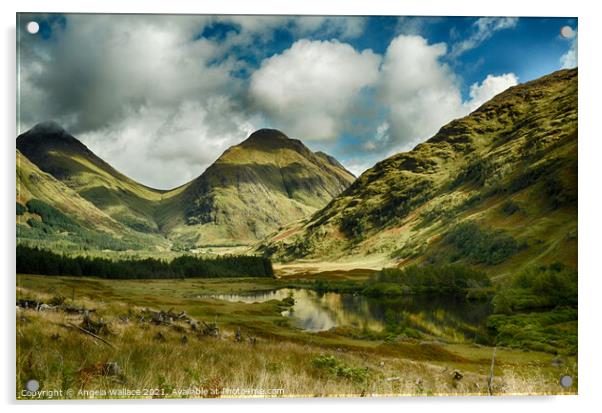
282 357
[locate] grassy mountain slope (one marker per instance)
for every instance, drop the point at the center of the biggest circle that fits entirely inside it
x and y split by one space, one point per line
50 213
265 182
254 188
497 188
54 151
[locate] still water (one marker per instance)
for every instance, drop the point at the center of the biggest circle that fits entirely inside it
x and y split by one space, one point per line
442 316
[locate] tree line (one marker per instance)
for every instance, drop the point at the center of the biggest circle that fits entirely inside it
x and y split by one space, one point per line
33 260
446 279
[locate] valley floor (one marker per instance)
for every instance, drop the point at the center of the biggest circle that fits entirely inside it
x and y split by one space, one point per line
270 358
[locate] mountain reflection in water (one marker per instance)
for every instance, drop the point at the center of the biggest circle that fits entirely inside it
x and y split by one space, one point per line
443 316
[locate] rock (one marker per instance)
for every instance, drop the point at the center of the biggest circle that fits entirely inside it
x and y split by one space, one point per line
45 307
210 329
557 362
457 375
112 369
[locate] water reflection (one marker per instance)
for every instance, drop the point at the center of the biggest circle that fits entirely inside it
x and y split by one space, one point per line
447 317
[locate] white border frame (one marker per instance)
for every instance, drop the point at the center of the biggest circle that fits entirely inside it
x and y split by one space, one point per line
590 149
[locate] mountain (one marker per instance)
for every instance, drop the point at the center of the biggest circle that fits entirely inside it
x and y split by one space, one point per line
267 181
497 188
48 211
58 153
255 187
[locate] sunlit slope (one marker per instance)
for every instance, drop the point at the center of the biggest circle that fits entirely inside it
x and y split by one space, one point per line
52 149
254 188
51 214
32 183
265 182
497 188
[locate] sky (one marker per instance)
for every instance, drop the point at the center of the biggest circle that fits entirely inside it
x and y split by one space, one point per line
161 97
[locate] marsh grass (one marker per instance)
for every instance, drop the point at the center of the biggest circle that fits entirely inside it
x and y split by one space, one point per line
62 357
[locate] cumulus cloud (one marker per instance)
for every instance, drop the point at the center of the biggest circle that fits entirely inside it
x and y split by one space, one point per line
422 93
569 59
171 147
491 86
144 92
483 29
419 90
307 90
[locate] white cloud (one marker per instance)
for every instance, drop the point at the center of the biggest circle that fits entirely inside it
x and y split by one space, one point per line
143 92
483 29
169 148
569 59
491 86
307 90
422 94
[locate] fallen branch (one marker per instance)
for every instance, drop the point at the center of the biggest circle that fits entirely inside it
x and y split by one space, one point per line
83 330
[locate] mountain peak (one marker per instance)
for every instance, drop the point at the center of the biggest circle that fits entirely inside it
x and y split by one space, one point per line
49 127
267 133
45 135
266 137
269 140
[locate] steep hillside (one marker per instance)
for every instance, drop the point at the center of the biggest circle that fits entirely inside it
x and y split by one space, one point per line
52 214
263 183
55 151
497 188
254 188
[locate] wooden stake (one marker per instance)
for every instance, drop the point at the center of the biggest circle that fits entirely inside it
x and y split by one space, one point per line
490 384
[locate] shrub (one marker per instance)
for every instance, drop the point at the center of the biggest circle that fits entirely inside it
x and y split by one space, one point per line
339 369
21 209
510 207
50 215
446 279
554 331
481 246
540 287
537 309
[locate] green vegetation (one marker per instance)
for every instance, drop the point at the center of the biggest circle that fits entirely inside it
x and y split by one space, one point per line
38 261
336 368
543 287
50 215
553 331
481 246
21 209
56 226
447 279
537 309
510 207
